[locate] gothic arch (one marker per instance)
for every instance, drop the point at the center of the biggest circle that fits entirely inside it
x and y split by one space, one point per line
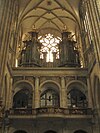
78 84
50 82
23 94
49 94
18 83
76 94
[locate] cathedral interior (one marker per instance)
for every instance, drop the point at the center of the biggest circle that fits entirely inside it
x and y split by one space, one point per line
49 66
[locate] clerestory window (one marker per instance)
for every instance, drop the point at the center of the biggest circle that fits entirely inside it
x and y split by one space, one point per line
49 47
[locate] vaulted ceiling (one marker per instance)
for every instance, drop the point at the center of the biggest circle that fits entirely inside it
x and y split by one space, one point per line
49 16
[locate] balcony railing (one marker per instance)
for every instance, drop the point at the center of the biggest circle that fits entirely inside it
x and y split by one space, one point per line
51 110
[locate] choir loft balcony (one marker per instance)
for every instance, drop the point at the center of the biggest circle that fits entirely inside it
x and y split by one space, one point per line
49 112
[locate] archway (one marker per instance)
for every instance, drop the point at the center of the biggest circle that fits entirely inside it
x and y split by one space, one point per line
49 98
20 131
20 99
77 95
22 96
50 95
80 131
50 131
76 98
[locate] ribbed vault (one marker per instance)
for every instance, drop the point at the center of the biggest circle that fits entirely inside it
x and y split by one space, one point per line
49 16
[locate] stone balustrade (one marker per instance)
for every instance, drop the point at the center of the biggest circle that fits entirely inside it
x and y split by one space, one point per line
51 110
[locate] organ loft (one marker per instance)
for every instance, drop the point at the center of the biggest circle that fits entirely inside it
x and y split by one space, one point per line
67 48
49 66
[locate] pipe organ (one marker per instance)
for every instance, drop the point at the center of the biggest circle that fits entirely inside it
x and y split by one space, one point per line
68 53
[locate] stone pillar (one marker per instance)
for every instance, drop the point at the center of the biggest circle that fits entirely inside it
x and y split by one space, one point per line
95 29
90 94
63 93
36 95
10 94
6 129
98 5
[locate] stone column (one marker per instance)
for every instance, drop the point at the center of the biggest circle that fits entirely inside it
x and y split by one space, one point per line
6 129
10 94
90 94
95 29
63 93
36 95
98 5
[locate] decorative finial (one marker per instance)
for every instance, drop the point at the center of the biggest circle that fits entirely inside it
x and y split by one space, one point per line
65 28
34 28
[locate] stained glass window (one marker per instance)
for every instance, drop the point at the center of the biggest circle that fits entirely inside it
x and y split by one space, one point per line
49 46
